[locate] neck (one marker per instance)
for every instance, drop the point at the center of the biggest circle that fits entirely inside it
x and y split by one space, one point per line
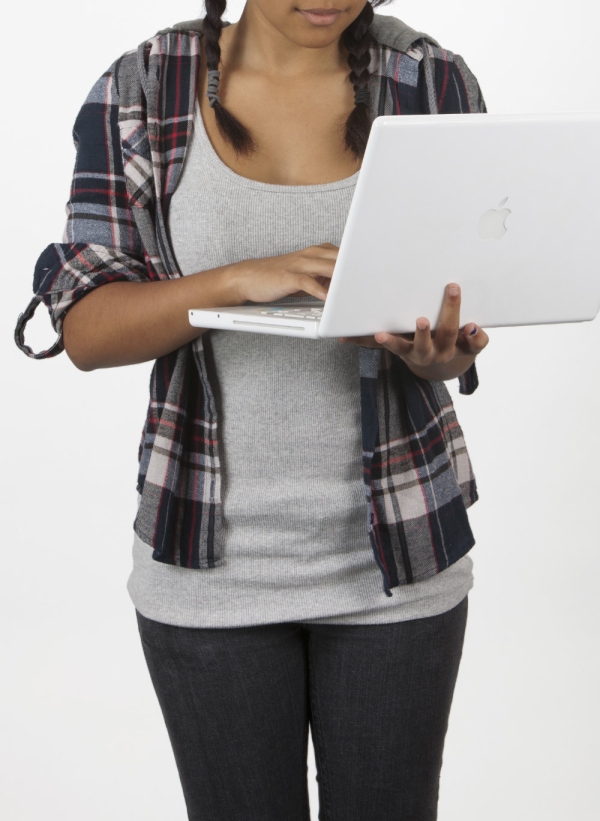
254 45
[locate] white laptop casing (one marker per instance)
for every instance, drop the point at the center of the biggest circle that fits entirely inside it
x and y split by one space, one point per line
505 205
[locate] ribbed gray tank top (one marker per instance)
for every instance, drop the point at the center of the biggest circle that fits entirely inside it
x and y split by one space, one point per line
294 509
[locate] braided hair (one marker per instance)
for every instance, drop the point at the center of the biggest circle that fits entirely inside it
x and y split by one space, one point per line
356 38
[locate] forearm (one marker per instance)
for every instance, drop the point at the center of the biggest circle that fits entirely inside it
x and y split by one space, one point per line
441 373
125 323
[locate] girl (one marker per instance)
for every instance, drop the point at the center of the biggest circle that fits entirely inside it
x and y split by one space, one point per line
286 485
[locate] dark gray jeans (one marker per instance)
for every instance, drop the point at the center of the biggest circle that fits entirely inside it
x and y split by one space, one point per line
237 703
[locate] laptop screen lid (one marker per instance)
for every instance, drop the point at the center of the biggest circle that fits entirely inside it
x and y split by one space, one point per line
505 205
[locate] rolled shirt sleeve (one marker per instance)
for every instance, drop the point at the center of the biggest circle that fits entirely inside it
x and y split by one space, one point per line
101 243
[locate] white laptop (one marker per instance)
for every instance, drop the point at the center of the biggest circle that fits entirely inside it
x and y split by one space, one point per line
508 206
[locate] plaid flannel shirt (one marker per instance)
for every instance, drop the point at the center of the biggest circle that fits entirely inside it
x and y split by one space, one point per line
130 137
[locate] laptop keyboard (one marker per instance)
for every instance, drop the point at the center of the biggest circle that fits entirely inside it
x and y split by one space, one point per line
294 313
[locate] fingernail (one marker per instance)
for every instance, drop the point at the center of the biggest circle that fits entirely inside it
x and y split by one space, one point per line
473 332
453 290
421 324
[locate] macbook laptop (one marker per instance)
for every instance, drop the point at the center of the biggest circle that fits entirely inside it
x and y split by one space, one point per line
506 205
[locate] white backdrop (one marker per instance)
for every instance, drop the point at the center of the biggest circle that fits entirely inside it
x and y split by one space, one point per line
83 733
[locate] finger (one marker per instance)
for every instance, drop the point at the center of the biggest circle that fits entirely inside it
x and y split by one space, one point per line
325 251
394 343
475 338
447 329
321 264
385 335
324 281
310 285
423 345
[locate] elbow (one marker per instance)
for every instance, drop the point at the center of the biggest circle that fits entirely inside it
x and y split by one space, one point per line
82 366
80 363
73 350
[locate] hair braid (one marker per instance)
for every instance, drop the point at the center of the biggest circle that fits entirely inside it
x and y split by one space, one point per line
230 127
356 38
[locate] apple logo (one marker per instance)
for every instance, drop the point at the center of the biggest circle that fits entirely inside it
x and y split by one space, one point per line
491 224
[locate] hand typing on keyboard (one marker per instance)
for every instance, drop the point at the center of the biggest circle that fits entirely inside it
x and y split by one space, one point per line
271 278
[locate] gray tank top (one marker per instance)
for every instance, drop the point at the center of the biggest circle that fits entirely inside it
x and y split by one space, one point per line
294 509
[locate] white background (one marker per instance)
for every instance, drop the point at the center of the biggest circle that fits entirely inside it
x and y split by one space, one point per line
83 733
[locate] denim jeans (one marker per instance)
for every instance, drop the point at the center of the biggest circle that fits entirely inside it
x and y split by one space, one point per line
237 703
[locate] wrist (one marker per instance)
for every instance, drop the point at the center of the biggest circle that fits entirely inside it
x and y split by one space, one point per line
236 275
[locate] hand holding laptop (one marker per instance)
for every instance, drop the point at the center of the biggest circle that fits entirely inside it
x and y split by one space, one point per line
426 351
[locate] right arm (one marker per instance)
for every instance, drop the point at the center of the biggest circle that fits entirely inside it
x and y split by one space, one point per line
125 323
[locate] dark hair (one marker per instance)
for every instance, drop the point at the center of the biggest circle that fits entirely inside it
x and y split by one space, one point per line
356 38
